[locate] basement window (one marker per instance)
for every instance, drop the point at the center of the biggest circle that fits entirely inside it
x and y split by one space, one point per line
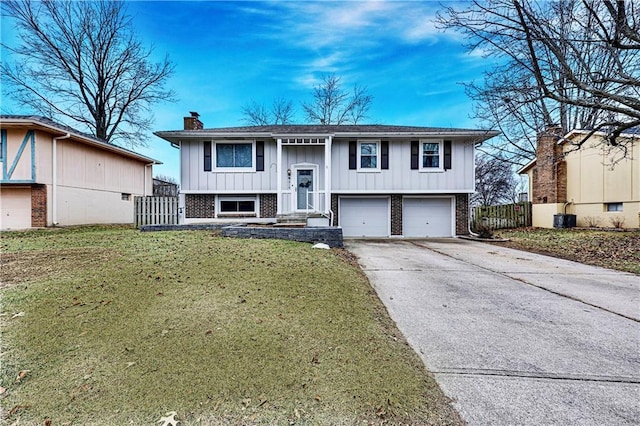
125 197
613 207
237 205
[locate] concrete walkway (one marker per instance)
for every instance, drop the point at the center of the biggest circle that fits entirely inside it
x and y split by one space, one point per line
515 338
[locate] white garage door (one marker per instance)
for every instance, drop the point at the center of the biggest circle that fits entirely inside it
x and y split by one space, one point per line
427 217
15 208
364 217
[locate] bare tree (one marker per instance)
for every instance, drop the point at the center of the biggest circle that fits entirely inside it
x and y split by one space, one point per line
80 61
573 63
495 181
331 104
281 112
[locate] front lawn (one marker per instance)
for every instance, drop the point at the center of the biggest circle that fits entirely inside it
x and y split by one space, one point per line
608 249
113 326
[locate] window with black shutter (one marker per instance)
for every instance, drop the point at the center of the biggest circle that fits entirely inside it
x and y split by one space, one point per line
415 155
447 155
260 156
353 155
207 156
384 155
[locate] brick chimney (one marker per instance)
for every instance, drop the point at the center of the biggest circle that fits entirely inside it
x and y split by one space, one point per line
550 171
193 122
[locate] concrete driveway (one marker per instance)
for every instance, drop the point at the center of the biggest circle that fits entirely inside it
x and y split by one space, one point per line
514 338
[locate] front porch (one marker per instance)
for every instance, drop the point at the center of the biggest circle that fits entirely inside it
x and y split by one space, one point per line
303 176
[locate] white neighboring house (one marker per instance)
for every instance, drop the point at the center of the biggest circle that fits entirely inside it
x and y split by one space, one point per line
52 174
372 180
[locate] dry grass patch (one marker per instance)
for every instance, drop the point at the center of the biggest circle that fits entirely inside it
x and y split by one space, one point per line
608 249
121 327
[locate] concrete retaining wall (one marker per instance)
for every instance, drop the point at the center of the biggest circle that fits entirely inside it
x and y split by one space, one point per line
332 236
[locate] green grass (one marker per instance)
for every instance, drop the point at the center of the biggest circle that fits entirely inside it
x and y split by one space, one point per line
608 249
121 327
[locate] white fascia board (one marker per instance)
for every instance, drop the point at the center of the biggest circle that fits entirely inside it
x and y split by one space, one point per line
227 191
526 167
483 134
403 191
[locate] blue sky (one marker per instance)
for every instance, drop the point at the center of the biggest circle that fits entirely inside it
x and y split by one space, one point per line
230 53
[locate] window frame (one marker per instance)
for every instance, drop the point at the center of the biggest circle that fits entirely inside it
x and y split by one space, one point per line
222 199
608 205
421 155
378 155
214 155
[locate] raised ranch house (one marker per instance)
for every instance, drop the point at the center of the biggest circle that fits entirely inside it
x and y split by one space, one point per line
55 175
372 180
598 186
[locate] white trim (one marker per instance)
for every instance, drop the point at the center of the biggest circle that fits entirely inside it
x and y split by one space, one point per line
279 176
402 191
229 220
228 191
327 175
214 156
359 154
440 167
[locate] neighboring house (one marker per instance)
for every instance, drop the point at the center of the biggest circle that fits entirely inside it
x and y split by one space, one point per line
162 188
55 175
372 180
584 182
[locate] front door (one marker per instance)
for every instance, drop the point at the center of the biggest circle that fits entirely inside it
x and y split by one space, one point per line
305 186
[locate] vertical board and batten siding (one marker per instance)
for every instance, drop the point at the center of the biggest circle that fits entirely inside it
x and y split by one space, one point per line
156 211
292 154
194 178
400 177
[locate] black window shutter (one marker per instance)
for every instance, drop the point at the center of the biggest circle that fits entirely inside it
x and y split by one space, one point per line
207 156
353 156
384 153
260 156
415 155
447 155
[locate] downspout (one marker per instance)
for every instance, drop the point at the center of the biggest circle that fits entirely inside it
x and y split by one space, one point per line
54 183
144 180
564 209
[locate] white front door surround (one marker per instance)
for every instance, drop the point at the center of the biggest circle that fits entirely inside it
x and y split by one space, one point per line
304 187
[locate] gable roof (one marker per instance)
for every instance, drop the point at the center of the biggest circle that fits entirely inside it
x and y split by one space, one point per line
46 124
349 130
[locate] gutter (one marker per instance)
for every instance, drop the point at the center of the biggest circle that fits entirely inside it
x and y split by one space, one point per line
54 184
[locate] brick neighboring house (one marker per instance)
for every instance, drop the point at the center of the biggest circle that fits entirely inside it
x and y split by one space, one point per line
584 182
53 174
372 180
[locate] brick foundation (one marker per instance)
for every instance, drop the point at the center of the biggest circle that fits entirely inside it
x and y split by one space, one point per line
396 214
462 214
268 205
39 206
199 206
334 208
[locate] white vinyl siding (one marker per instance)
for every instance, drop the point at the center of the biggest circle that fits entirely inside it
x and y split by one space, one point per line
229 180
400 178
364 217
427 217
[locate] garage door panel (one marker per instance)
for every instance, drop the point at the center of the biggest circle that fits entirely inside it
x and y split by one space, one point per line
427 217
364 217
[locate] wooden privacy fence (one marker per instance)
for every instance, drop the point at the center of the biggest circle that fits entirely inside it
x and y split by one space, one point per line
156 211
501 217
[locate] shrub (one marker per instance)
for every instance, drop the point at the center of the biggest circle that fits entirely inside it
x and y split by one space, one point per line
484 231
617 221
592 221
